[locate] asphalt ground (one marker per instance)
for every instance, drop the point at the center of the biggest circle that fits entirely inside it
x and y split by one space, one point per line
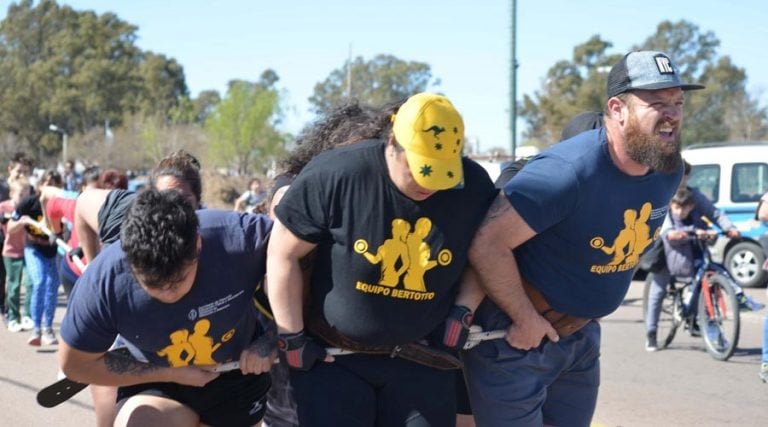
680 386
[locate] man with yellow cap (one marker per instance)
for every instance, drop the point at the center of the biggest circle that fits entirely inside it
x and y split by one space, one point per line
390 221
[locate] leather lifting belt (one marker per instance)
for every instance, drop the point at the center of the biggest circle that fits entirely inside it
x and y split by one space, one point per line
415 352
564 324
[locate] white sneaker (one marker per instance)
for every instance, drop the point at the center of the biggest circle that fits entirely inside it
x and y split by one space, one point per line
49 337
27 324
14 326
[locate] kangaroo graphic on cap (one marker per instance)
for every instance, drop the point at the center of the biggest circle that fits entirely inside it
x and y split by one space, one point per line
437 130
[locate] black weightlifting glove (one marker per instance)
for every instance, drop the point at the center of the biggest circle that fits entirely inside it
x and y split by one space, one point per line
300 351
455 331
76 252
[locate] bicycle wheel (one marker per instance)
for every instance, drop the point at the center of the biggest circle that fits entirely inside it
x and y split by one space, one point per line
719 317
670 316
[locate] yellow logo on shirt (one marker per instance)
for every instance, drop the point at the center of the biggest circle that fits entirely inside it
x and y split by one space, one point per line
197 348
629 244
403 257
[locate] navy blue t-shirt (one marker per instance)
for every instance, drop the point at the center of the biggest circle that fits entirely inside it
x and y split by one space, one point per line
592 222
212 323
387 267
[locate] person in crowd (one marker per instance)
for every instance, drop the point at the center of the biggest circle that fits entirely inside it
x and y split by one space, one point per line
113 179
582 122
552 255
40 260
71 178
702 207
20 165
762 215
180 285
99 215
251 197
13 260
343 125
411 187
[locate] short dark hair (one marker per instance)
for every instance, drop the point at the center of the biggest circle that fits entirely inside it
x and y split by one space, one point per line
21 158
159 237
683 197
91 174
182 166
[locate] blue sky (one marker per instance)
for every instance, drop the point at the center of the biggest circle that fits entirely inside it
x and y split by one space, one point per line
467 43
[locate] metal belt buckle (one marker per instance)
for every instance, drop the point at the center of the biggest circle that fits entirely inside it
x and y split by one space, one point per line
395 351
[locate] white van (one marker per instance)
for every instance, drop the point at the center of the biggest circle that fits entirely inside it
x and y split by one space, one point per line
734 176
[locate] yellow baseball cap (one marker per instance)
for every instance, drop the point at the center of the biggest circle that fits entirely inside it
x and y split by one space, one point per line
431 131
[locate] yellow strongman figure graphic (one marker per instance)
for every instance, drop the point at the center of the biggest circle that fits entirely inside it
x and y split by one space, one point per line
180 352
631 240
642 234
390 252
203 344
624 240
419 252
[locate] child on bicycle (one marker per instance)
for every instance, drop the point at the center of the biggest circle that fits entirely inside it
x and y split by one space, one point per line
682 256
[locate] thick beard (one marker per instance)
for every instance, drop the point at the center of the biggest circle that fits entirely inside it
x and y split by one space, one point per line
650 150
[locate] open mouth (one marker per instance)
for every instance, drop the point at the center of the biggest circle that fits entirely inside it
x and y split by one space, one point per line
666 132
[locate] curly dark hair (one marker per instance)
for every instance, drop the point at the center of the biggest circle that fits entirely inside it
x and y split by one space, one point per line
159 237
342 125
182 166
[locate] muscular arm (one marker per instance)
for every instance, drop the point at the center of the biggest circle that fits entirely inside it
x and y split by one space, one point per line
87 221
285 283
109 369
491 256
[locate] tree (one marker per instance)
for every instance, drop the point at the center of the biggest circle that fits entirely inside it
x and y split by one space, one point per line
724 111
571 87
77 69
382 80
242 127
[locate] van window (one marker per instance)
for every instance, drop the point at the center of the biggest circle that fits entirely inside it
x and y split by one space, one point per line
706 179
749 182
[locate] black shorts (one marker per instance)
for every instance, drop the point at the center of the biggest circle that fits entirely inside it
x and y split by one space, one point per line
232 399
111 214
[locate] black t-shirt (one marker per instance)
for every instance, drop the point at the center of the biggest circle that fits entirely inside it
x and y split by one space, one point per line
387 267
30 206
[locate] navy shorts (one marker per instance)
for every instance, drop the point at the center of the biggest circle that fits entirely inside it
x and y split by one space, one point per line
554 384
232 399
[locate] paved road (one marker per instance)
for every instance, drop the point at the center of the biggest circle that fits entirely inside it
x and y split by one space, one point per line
680 386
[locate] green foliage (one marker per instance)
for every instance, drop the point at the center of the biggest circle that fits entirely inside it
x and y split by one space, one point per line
242 127
382 80
77 69
724 111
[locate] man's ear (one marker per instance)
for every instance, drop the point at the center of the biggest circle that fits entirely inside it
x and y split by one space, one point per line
617 109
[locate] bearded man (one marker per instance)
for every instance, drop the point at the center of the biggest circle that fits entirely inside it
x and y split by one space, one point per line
539 254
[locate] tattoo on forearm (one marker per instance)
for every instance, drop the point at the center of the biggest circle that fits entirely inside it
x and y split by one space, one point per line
127 365
499 206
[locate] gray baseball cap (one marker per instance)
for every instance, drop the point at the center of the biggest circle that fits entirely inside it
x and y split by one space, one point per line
647 70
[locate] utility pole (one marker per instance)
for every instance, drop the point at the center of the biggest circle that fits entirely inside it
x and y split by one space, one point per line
513 82
53 128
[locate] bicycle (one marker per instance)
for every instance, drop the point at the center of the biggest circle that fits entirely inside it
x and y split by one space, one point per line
711 302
